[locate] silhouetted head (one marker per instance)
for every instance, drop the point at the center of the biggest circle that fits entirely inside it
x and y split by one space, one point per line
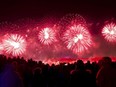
3 61
80 65
106 61
37 71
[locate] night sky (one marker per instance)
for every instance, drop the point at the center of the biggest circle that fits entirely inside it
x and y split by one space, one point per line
92 9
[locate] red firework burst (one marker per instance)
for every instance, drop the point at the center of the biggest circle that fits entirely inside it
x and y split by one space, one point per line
47 36
109 32
71 19
77 38
14 44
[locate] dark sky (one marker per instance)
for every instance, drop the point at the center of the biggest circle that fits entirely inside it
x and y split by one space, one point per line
16 9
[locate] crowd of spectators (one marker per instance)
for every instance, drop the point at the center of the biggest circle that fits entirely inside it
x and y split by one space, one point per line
16 72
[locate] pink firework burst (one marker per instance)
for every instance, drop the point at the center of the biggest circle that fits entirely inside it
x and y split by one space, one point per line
77 38
14 44
47 36
109 32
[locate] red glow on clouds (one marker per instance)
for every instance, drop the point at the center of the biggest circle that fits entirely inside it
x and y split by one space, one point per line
109 32
14 44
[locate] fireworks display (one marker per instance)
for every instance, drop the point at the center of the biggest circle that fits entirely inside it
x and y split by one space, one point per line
109 32
14 44
69 37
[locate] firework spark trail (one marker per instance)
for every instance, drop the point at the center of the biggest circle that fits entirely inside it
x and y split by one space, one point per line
1 48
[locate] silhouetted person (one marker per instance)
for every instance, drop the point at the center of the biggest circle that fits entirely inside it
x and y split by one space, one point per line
38 78
78 76
106 76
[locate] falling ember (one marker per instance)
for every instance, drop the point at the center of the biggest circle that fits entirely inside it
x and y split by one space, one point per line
1 48
14 44
109 32
78 39
47 36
